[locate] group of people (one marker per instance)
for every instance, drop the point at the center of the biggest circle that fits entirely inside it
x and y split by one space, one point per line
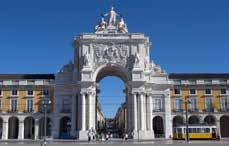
93 136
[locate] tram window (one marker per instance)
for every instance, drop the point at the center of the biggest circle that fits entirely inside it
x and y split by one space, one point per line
206 130
194 130
179 130
202 130
184 130
190 130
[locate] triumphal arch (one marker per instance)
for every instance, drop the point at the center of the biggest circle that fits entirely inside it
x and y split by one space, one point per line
112 50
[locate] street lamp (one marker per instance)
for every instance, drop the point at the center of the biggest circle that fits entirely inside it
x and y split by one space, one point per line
186 119
45 102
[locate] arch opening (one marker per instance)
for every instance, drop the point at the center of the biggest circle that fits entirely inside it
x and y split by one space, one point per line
224 126
194 120
158 127
178 120
210 120
48 127
111 70
13 128
29 128
65 128
111 107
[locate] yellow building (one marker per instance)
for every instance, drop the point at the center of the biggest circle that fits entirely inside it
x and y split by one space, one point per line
21 105
208 100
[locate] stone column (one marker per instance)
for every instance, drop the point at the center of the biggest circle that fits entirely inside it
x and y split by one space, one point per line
36 132
5 128
73 116
168 118
92 110
21 130
135 109
150 104
83 118
143 111
218 128
83 108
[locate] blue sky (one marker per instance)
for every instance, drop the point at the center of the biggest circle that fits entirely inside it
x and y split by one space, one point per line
186 36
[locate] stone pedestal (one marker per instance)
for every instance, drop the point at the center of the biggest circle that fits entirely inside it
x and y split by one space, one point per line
143 135
82 135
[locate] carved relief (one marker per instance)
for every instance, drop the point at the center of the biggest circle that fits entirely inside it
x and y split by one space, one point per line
110 54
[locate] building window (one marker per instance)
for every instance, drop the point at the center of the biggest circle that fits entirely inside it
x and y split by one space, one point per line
157 104
223 82
178 104
14 92
208 91
208 82
29 105
177 91
208 104
192 104
44 92
223 91
177 82
192 91
30 92
13 105
224 103
66 105
192 82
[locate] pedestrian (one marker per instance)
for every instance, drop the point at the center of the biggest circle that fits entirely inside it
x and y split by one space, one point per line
126 137
89 136
107 137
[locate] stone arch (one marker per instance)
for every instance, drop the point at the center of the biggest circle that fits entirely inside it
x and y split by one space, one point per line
158 126
178 120
13 125
114 70
65 127
210 120
29 124
194 120
1 126
111 69
224 126
48 127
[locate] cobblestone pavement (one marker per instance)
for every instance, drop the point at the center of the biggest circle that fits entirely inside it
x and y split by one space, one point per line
118 142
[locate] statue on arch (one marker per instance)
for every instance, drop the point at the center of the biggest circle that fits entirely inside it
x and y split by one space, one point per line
122 26
102 25
112 16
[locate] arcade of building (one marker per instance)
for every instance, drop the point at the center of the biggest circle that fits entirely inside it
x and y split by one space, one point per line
154 99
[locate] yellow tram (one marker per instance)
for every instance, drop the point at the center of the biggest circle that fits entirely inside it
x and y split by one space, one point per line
195 132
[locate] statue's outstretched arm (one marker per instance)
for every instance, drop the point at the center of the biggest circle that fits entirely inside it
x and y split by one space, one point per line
106 14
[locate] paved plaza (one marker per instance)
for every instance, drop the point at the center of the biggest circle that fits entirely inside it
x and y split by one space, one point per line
120 142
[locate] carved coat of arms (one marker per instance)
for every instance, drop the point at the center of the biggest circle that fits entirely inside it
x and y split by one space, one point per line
110 54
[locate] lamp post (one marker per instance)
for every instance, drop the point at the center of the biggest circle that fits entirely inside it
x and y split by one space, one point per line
45 102
186 119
